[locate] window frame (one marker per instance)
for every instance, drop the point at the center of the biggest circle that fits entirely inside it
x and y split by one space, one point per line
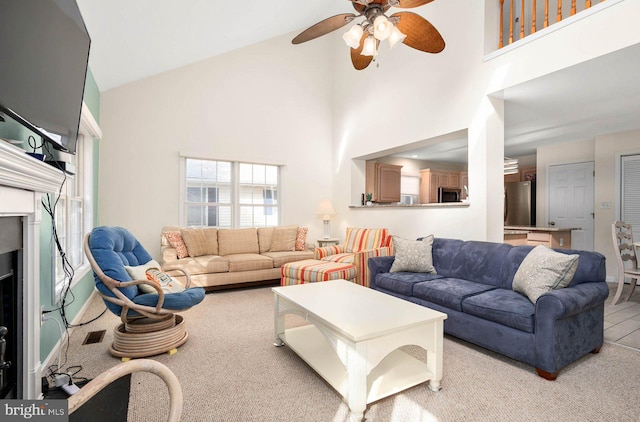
76 189
235 186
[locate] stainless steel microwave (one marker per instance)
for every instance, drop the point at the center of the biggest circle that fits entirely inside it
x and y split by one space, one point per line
449 195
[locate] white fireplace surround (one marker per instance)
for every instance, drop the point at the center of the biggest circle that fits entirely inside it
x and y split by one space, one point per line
23 181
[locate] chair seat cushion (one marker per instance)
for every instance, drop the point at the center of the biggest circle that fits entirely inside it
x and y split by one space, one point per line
174 301
346 258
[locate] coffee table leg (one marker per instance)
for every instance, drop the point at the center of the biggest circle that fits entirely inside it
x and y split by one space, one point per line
278 322
357 375
434 357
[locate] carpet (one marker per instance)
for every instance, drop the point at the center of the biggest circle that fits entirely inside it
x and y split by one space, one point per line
230 371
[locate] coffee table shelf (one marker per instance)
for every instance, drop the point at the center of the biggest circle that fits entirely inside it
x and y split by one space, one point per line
396 372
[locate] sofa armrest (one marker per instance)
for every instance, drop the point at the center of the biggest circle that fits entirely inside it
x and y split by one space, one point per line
379 265
569 301
320 253
569 324
168 254
361 259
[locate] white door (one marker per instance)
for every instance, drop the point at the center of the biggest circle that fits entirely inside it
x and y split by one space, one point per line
570 200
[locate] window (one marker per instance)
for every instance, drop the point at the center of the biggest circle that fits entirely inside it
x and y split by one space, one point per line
72 220
230 194
409 190
630 194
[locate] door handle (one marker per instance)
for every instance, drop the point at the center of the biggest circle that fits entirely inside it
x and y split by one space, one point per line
552 223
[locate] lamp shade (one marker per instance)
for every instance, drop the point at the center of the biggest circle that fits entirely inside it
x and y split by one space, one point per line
352 36
325 209
369 48
396 36
382 27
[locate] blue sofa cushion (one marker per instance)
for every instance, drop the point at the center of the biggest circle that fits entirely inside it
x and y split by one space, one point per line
449 292
402 282
442 254
504 307
480 262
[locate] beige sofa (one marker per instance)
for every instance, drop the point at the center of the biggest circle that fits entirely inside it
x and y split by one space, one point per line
223 258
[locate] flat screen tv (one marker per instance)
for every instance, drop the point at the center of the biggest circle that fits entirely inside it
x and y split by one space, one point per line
44 52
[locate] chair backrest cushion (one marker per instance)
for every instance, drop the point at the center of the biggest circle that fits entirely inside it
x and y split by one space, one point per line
113 248
365 239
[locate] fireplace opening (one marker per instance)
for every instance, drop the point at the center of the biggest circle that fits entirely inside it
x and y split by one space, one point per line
11 324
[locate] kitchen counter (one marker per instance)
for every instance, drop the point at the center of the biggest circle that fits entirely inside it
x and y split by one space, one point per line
540 229
553 237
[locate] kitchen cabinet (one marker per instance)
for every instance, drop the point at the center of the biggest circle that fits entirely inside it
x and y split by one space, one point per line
383 181
464 181
431 180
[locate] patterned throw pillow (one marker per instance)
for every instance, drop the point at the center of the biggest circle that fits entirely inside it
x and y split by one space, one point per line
543 270
152 271
301 238
176 242
413 255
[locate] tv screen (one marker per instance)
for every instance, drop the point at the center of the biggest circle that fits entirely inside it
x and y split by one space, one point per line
44 51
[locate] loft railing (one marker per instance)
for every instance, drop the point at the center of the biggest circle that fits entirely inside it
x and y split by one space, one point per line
519 18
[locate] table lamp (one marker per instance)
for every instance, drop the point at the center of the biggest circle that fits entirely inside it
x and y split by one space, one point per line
326 211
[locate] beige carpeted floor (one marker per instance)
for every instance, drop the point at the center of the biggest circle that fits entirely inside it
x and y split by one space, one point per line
230 371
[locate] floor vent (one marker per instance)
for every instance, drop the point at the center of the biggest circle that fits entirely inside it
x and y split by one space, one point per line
94 337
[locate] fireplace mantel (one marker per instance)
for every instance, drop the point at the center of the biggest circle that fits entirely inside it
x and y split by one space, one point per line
20 170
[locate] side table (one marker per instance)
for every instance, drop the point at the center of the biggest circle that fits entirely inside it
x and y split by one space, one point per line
328 242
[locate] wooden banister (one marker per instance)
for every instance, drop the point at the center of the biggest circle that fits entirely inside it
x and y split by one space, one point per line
524 5
501 43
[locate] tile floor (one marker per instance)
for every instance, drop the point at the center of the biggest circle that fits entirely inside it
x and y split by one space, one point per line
622 321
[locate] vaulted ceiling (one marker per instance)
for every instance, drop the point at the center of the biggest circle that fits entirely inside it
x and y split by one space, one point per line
135 39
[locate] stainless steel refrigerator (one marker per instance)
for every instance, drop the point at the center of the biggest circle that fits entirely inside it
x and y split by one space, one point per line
520 204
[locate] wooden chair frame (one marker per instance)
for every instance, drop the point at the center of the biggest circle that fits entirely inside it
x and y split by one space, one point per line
129 367
625 252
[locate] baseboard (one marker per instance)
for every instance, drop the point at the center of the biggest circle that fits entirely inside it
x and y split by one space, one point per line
52 356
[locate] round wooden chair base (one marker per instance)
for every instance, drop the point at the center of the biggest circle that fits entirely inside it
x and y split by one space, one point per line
147 337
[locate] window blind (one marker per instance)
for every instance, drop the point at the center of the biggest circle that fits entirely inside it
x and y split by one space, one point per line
630 195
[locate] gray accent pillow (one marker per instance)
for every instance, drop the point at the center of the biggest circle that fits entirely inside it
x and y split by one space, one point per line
413 255
543 270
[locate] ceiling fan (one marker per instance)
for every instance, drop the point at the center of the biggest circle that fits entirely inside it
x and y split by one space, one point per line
363 38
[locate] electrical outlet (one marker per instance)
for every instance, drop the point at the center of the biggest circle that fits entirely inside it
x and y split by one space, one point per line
42 320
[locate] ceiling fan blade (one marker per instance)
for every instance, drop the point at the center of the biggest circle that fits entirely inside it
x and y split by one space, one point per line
421 35
360 7
408 4
323 27
359 61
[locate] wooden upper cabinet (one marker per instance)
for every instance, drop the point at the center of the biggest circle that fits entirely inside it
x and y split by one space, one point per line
383 180
431 180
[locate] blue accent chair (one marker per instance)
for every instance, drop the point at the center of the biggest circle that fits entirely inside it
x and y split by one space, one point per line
143 315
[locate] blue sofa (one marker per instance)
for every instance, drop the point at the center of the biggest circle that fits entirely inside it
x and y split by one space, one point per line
473 286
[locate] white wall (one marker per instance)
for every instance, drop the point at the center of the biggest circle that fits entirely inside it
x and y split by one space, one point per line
268 103
306 107
608 149
414 96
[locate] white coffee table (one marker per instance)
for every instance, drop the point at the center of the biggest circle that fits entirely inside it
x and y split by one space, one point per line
354 336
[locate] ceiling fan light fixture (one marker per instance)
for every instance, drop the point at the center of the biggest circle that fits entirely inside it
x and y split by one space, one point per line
382 27
352 36
396 36
369 48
